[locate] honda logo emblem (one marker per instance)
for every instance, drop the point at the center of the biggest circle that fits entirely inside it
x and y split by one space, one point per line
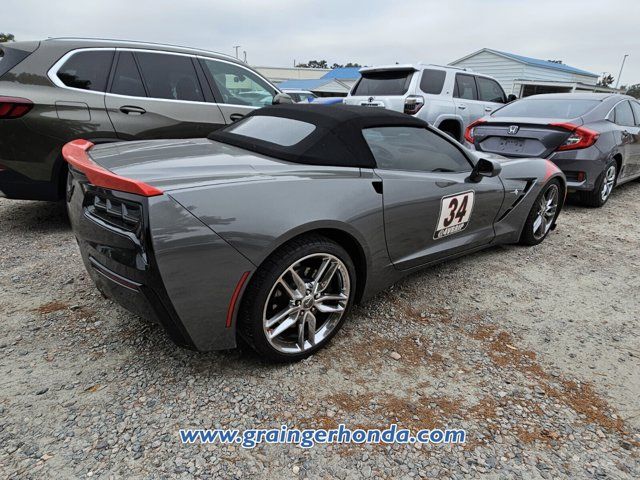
513 129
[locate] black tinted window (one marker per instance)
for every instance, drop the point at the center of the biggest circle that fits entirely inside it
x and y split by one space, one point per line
432 81
170 76
392 82
636 112
9 58
465 87
490 91
87 70
623 115
546 108
416 149
126 79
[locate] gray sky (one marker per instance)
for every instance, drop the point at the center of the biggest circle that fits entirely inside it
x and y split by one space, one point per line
588 34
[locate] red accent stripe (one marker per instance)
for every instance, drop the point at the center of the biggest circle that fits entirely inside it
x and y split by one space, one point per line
552 169
234 298
75 153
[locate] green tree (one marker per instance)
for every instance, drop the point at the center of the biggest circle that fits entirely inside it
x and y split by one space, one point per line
7 37
314 64
324 64
606 80
634 90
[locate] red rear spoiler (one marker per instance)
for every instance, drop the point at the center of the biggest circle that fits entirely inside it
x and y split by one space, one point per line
75 154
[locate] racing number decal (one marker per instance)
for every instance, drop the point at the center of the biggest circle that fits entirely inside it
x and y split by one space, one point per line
455 211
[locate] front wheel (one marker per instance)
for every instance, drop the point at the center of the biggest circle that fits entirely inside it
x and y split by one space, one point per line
298 299
542 215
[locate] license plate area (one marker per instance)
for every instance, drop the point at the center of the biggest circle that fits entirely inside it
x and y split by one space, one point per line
371 104
513 145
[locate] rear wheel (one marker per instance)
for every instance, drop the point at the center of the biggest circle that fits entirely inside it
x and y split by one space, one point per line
542 215
604 186
298 299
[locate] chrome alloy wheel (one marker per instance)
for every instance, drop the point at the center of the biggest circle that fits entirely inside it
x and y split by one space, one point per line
608 182
306 303
547 208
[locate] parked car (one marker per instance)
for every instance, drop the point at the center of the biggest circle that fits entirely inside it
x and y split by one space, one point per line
304 96
448 98
273 227
62 89
593 137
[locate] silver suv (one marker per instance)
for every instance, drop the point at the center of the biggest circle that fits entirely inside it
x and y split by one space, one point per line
448 98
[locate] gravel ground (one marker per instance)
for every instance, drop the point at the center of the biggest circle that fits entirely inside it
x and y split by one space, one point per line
535 351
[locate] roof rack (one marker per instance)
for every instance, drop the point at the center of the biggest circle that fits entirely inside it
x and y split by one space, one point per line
465 69
137 42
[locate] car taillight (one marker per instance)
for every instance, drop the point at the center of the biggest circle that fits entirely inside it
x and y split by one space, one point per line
413 104
469 132
581 137
14 107
75 154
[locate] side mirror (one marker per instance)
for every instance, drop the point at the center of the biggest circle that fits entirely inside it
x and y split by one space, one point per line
282 98
485 168
511 98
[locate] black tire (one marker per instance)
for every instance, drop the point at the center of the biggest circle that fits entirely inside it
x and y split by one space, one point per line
453 134
527 237
593 199
250 314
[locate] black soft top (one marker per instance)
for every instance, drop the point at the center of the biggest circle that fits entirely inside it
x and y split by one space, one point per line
337 139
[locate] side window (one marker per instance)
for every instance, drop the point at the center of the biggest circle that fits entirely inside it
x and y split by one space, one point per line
87 70
490 90
126 78
170 76
432 81
465 87
239 86
636 112
623 115
414 149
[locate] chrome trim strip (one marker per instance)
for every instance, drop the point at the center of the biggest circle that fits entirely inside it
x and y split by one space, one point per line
52 73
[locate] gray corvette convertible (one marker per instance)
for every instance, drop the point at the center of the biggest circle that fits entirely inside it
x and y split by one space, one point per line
271 228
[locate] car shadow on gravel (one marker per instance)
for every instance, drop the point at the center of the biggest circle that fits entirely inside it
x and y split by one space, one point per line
34 216
573 200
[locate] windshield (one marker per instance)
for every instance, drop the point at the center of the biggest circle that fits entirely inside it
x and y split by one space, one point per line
390 82
547 108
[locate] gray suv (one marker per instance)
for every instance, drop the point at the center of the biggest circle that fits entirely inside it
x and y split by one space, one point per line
59 90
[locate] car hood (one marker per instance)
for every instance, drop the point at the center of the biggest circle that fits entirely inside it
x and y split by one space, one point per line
174 164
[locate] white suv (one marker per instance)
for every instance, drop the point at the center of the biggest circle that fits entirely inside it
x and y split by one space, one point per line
448 98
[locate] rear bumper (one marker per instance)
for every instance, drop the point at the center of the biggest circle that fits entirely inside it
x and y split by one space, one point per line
19 187
173 271
582 173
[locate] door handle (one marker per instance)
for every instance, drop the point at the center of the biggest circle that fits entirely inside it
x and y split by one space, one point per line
462 107
236 116
488 109
131 110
